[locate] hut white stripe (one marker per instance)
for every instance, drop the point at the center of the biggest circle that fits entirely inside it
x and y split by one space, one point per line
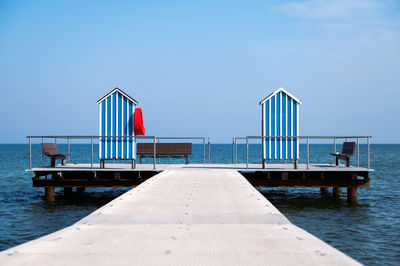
122 126
263 129
127 128
100 119
269 128
128 132
280 125
106 129
112 125
275 128
291 128
286 127
116 123
133 142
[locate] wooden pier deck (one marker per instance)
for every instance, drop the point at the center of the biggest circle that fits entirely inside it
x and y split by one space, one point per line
274 175
192 215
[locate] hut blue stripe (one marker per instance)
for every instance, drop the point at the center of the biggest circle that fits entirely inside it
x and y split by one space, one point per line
133 133
130 130
295 129
273 127
103 128
123 127
278 126
289 127
120 125
114 133
284 133
267 141
108 117
126 127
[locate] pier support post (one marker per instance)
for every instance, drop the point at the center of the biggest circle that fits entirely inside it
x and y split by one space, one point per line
352 194
324 191
337 192
67 191
49 194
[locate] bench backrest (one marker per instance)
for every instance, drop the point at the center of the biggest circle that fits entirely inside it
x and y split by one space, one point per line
165 148
50 149
348 148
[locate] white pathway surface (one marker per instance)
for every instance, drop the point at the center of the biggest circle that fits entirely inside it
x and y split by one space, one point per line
182 217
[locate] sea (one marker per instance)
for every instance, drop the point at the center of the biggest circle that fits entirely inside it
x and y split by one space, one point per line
368 231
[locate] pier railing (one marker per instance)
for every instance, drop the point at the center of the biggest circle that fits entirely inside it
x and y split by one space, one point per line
307 138
155 139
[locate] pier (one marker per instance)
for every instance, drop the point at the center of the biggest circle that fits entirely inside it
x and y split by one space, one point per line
324 176
182 215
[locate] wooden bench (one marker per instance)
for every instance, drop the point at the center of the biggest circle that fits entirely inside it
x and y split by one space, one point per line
50 150
347 152
164 150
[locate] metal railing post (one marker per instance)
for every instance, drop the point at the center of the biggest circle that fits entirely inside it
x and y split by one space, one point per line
236 151
69 151
334 149
334 144
233 150
30 154
159 159
358 153
42 155
91 153
308 153
154 152
204 151
369 166
209 151
247 152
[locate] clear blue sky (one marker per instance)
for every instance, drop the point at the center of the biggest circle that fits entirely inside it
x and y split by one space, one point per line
200 68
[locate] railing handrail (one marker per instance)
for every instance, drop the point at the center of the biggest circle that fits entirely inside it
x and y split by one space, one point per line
109 136
92 137
234 145
305 137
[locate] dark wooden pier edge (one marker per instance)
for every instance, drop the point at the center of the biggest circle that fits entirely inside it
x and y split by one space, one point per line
82 176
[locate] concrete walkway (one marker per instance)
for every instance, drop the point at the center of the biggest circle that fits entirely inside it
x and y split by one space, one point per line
182 217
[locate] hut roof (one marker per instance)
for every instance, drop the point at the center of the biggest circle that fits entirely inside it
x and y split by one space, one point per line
279 90
120 91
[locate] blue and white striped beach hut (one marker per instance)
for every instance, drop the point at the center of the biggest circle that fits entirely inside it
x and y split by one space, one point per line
280 125
116 119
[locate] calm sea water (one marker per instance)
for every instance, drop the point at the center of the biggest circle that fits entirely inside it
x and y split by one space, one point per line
368 231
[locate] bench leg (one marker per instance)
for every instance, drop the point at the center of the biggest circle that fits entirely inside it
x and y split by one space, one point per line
336 161
187 159
102 164
140 159
53 162
133 163
347 162
295 164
